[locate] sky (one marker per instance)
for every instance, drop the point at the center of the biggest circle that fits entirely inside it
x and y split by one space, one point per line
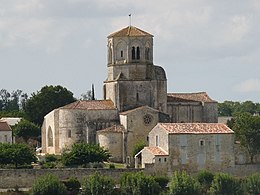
203 45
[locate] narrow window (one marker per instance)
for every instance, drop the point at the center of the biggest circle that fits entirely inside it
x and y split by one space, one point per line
159 159
147 53
6 138
157 140
165 159
133 53
50 137
137 53
69 133
121 53
202 143
137 97
147 138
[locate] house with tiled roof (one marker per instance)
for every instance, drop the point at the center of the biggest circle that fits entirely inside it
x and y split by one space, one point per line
189 146
134 101
5 133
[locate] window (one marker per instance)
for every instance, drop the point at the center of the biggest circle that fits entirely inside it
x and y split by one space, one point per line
137 97
133 53
165 159
121 54
50 137
137 53
147 53
69 133
202 143
6 138
157 140
159 159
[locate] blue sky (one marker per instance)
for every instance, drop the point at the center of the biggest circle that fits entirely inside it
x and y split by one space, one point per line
204 45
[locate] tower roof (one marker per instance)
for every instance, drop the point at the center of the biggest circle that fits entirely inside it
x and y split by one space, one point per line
130 31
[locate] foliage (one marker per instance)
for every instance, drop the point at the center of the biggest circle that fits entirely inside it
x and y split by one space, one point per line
205 179
97 184
183 184
45 100
162 181
225 184
16 154
82 154
51 158
252 184
26 130
230 108
139 184
48 184
112 166
72 184
247 131
138 147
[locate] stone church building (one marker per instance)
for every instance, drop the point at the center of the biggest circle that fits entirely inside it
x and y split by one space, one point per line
135 101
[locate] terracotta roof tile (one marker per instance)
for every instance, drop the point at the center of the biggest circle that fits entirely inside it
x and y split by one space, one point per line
129 31
196 128
5 127
186 97
91 105
114 129
138 108
157 151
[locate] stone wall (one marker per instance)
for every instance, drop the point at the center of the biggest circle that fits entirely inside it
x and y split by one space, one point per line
24 178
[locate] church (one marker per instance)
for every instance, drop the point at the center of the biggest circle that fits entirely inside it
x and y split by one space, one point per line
135 100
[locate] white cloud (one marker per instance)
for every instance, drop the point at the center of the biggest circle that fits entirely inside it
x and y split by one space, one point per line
250 85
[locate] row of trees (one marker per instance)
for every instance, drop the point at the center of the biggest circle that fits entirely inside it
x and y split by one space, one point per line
230 108
141 184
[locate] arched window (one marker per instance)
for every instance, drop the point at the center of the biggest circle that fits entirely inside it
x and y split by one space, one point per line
147 53
138 53
121 53
50 137
109 55
133 53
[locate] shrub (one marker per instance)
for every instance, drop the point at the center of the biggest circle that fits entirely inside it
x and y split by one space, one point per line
183 184
72 184
97 184
51 158
112 166
48 184
252 184
225 184
139 184
205 179
162 181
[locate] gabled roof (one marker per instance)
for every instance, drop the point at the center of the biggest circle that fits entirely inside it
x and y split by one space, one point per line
5 127
196 128
11 120
130 31
156 151
136 109
113 129
91 105
189 97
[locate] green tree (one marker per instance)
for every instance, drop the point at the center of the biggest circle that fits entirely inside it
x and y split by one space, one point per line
45 100
205 179
82 154
247 131
183 184
26 130
252 184
16 154
228 108
139 184
48 184
138 147
225 184
97 184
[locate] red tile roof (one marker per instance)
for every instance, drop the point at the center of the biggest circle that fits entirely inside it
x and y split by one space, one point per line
5 127
196 128
157 151
114 129
186 97
91 105
130 31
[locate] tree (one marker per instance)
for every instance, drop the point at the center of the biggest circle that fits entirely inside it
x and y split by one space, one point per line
16 154
82 154
45 100
97 184
205 179
225 184
48 184
138 147
26 130
252 184
183 184
247 131
139 184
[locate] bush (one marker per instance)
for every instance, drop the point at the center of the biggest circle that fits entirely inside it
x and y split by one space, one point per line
205 179
48 184
225 184
252 184
162 181
139 184
72 184
51 158
112 166
183 184
97 184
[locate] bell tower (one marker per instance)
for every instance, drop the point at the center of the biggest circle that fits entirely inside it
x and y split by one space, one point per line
133 80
